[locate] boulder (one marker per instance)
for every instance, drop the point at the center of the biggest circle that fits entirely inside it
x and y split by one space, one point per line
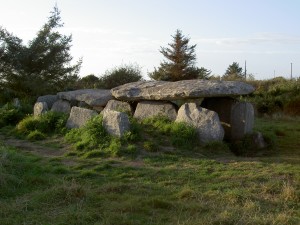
236 117
118 106
49 99
184 89
116 123
79 116
147 109
205 121
61 106
93 97
40 108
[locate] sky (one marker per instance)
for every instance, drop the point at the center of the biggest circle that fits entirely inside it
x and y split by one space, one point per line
110 33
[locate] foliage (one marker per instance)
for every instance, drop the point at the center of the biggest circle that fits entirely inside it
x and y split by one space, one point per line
203 73
234 72
181 135
120 75
180 63
42 66
94 137
36 135
47 123
11 115
276 95
87 82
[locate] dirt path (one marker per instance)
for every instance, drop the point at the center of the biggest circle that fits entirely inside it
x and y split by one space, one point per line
35 148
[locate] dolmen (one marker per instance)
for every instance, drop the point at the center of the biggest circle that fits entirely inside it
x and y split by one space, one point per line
211 106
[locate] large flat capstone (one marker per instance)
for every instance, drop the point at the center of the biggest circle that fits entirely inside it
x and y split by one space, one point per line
92 97
184 89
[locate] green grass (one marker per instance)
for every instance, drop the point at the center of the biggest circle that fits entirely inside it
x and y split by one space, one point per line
201 186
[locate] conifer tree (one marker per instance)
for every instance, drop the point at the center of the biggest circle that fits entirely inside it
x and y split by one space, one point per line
41 67
234 72
180 60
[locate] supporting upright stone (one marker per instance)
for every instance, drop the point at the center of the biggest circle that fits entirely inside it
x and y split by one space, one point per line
205 121
40 108
236 117
116 123
242 120
118 106
61 106
79 116
147 109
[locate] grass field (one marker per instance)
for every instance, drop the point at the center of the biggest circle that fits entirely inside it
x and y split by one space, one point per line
209 186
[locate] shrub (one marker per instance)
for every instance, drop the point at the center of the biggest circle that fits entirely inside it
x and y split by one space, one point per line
292 107
28 124
276 95
120 75
181 134
90 137
10 115
47 123
93 137
36 135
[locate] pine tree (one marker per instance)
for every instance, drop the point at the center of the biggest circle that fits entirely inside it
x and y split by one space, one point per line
234 72
41 67
180 63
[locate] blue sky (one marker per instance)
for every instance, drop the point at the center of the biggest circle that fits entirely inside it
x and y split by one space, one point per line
108 33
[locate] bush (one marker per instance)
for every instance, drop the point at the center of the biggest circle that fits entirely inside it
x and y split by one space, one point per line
47 123
94 138
10 115
90 137
276 95
181 134
36 135
120 75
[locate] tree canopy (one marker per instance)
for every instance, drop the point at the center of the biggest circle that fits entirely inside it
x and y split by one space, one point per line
41 67
234 72
180 61
120 75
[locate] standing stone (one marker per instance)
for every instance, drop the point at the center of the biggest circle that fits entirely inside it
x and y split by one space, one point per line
118 106
40 108
79 116
49 99
205 121
147 109
116 123
236 117
242 120
61 106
